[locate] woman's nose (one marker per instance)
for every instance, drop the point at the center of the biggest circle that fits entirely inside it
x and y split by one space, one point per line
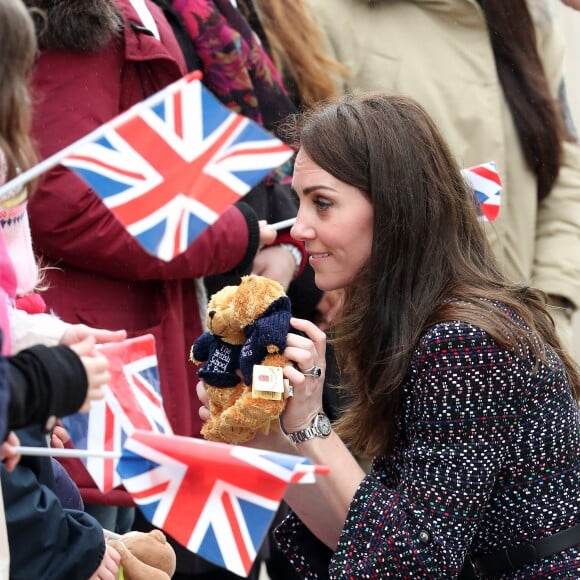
300 230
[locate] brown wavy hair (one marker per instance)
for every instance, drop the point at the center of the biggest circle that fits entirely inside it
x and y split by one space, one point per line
536 113
18 53
430 260
297 46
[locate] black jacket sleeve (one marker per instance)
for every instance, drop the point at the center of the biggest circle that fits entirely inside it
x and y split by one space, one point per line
253 238
46 541
44 381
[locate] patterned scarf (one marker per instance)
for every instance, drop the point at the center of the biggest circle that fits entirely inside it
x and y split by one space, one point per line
236 68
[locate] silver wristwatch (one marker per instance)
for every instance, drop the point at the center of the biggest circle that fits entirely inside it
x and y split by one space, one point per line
320 427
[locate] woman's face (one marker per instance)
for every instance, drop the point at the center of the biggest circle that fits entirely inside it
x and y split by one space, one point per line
335 221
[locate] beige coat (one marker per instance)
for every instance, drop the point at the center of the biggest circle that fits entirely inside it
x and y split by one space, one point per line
438 51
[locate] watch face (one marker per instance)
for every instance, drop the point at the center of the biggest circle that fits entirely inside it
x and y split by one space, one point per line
323 425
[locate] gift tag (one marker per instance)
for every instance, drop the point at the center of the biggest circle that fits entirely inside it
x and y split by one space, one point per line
267 383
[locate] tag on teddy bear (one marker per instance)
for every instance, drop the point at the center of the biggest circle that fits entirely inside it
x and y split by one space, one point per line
267 383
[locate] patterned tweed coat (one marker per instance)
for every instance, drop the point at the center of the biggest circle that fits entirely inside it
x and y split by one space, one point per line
487 455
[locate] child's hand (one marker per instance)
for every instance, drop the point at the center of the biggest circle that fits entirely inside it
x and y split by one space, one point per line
276 263
267 235
109 568
59 436
78 332
7 455
96 366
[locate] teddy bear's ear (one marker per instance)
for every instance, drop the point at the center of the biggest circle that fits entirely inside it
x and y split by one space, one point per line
152 557
254 295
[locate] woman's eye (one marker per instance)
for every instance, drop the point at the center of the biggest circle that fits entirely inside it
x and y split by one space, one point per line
322 203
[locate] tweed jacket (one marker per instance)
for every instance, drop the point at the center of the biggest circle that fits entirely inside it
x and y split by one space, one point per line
486 456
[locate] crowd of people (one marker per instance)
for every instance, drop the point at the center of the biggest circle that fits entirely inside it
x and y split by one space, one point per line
442 342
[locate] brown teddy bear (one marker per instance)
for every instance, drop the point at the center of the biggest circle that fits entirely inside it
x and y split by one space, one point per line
260 309
145 556
219 348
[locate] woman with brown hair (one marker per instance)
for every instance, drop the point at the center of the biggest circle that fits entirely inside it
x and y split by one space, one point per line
460 388
491 73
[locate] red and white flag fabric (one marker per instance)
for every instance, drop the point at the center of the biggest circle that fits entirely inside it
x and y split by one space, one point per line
217 500
171 165
132 401
486 183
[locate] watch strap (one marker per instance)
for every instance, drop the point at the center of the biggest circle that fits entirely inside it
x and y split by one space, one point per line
304 434
310 432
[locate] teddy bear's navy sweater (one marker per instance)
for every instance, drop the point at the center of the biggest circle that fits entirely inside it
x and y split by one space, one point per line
486 456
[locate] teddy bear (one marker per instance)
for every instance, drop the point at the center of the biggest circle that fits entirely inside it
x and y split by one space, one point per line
219 348
145 556
258 308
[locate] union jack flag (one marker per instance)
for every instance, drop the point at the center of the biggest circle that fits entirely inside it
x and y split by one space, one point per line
171 165
486 183
132 401
217 500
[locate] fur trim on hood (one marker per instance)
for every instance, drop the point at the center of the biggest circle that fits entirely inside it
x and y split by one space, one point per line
76 25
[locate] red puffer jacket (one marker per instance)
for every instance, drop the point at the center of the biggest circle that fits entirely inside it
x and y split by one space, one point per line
101 276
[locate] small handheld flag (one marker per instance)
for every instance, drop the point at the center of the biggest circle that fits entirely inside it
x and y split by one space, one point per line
132 401
215 499
486 183
176 165
169 166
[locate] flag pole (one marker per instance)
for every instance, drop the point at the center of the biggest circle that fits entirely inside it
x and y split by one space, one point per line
318 469
16 184
80 453
283 224
58 452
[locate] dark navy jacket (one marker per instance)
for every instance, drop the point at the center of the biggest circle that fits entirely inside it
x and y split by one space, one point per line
47 542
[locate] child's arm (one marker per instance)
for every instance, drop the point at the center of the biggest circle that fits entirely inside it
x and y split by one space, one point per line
47 382
30 329
46 541
42 328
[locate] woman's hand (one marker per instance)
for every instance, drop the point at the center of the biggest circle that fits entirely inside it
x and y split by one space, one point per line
109 567
204 399
97 369
308 354
274 440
